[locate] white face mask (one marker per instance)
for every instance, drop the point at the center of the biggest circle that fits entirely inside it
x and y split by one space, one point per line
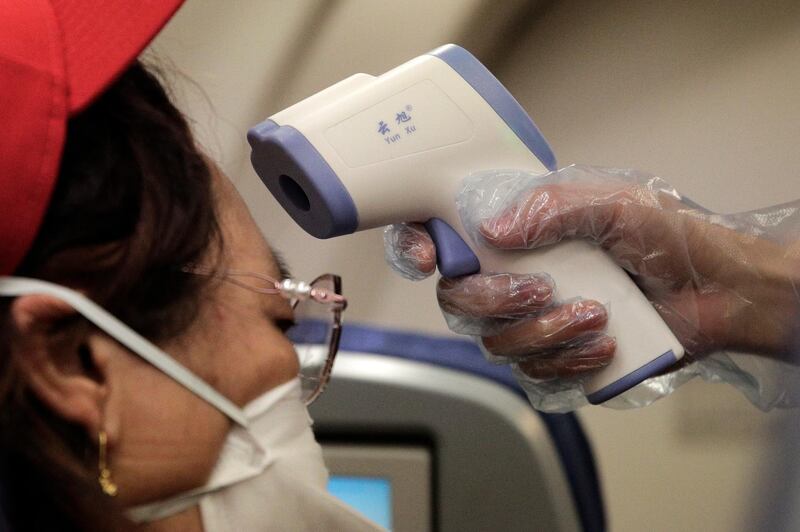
270 474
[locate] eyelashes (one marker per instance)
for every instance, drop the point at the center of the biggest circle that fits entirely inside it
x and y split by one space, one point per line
284 324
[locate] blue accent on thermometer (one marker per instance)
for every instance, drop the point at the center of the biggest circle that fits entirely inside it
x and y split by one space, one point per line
454 258
651 369
307 187
498 97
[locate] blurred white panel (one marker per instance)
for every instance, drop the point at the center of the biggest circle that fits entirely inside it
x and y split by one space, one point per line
373 37
703 93
222 57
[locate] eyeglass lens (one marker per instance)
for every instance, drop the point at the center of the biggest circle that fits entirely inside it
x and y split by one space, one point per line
312 336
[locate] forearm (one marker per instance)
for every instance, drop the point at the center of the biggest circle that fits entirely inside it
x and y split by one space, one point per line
764 299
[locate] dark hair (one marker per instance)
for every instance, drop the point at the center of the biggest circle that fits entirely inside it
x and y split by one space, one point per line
133 203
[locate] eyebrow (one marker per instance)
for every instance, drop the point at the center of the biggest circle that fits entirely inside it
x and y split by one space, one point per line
283 268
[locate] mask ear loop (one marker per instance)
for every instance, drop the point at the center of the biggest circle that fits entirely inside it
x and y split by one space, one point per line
18 286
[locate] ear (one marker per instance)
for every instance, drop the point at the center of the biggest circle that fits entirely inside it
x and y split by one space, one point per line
66 374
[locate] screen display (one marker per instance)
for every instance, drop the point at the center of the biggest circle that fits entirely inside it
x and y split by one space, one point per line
371 496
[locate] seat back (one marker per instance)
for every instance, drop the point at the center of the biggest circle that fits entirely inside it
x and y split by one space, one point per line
496 462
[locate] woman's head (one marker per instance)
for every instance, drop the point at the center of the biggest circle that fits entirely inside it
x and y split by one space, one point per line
135 202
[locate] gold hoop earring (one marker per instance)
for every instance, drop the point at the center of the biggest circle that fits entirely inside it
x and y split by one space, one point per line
106 484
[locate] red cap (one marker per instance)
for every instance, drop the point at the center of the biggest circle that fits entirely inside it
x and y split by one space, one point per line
56 56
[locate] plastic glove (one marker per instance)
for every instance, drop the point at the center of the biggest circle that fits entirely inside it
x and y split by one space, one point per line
725 284
515 314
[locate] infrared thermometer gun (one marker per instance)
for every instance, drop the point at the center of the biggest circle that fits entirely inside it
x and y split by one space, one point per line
371 151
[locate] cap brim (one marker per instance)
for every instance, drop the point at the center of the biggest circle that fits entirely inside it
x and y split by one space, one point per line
102 37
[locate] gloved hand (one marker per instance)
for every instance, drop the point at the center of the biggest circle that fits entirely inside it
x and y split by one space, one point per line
723 283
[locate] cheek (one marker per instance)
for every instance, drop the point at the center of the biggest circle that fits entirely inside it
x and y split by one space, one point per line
242 355
169 439
252 367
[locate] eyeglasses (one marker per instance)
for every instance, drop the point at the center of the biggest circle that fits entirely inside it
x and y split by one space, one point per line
317 308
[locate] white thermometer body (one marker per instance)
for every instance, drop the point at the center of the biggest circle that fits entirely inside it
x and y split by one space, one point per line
371 151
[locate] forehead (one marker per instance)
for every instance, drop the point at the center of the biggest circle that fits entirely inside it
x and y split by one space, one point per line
244 245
